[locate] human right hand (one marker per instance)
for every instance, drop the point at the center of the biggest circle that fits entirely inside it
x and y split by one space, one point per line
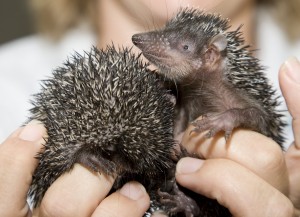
248 174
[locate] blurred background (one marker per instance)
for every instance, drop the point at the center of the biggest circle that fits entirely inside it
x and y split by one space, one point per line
15 20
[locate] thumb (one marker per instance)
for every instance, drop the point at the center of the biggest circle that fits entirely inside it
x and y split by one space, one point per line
289 80
18 162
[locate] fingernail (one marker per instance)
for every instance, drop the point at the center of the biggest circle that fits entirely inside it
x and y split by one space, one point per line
188 165
133 190
292 69
33 131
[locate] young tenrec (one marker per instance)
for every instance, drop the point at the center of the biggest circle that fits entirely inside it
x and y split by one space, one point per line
215 75
106 111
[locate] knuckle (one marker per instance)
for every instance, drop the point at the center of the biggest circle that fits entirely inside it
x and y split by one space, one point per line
271 166
270 157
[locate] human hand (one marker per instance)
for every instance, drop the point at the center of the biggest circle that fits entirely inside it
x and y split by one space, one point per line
78 193
249 178
83 193
289 78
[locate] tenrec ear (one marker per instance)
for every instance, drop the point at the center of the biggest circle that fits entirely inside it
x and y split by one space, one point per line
219 41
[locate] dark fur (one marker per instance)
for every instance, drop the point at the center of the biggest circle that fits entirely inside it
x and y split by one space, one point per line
108 112
215 74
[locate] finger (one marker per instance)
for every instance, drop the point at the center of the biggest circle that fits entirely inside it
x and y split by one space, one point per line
252 150
220 179
131 200
18 162
77 193
289 80
293 161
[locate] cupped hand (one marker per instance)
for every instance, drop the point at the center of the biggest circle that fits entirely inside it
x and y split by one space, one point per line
84 193
78 193
248 174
